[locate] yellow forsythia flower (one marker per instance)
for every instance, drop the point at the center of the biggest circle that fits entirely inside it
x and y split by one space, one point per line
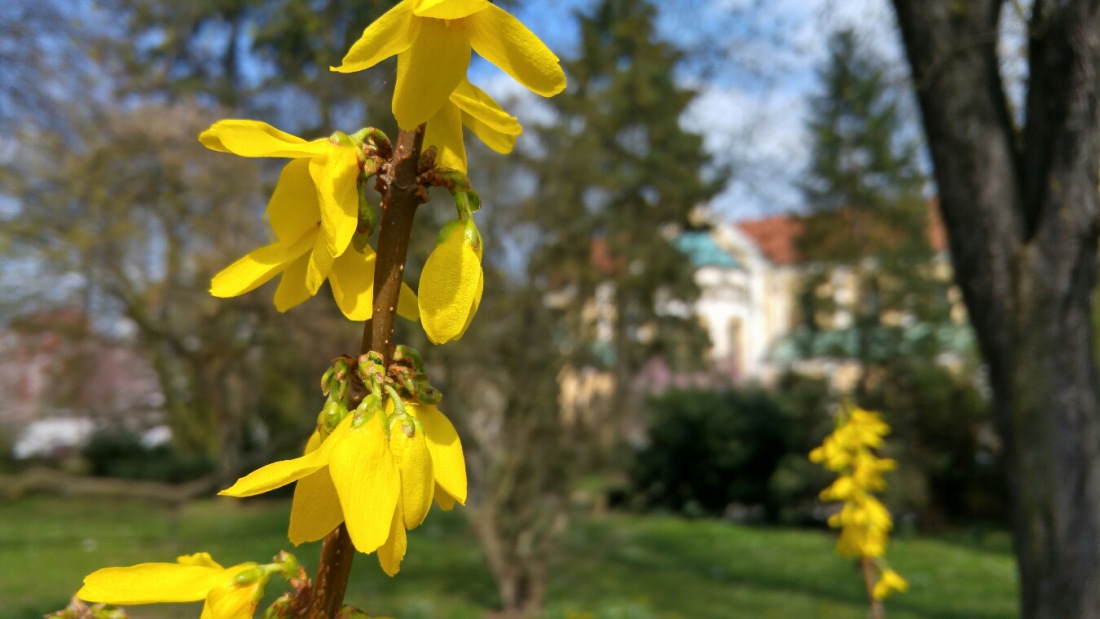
324 164
864 522
889 583
300 255
452 283
193 578
432 40
468 105
379 483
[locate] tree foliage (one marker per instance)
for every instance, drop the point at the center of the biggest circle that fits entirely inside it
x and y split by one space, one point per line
617 178
867 242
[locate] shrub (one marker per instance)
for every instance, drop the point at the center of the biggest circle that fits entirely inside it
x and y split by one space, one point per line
117 452
708 450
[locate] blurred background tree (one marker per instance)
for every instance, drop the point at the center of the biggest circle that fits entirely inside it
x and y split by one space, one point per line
617 179
131 217
872 271
876 292
145 216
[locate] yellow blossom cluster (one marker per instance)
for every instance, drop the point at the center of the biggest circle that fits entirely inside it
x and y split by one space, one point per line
314 213
863 520
378 473
315 210
377 469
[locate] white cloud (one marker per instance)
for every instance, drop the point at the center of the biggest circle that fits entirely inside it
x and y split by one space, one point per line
762 139
753 89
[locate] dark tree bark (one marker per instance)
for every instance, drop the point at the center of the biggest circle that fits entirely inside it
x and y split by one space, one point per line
1021 206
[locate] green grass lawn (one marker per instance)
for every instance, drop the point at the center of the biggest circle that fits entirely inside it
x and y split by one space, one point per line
620 567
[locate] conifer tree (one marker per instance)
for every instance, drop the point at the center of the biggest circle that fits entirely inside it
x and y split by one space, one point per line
871 270
619 179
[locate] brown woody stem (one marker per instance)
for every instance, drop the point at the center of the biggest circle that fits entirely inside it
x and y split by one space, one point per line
876 611
400 197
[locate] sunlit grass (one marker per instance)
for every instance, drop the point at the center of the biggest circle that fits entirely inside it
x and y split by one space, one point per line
620 567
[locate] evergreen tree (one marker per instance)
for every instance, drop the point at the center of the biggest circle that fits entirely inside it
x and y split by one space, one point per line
617 182
871 265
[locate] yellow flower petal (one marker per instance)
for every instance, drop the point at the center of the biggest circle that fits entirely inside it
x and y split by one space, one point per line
202 559
444 132
292 289
391 553
448 286
448 9
315 510
448 463
414 461
257 268
445 501
148 583
230 603
504 41
499 142
352 279
889 583
387 36
474 102
429 70
252 138
335 177
474 304
408 306
293 209
367 483
283 472
489 122
320 265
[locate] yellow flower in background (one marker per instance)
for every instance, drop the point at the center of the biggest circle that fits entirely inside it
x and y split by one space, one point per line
380 483
863 429
452 283
301 255
868 469
192 578
863 520
469 105
433 39
865 524
328 167
889 583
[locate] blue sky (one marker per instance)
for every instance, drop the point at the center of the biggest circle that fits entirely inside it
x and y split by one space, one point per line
753 85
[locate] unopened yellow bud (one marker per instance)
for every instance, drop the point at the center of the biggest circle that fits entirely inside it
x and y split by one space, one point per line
452 283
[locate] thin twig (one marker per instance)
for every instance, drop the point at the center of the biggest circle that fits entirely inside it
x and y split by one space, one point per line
399 204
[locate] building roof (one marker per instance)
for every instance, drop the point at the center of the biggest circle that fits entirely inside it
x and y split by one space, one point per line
703 251
776 236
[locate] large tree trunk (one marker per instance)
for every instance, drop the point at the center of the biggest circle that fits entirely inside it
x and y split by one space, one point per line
1021 210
